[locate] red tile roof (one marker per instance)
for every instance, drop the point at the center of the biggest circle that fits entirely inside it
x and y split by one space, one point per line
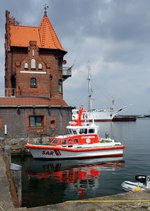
21 35
44 35
28 101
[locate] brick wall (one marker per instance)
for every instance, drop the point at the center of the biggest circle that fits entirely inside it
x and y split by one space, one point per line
16 120
47 77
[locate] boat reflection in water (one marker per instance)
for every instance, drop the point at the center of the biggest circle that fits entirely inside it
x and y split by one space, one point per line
78 177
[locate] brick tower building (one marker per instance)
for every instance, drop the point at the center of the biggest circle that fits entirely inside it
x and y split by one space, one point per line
34 76
34 60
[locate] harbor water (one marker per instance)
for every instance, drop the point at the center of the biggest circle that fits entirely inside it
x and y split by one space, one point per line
49 182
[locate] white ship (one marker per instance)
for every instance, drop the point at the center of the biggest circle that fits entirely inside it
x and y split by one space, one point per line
98 115
103 115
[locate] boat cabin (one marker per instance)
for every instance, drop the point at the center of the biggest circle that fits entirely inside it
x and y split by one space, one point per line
87 129
78 135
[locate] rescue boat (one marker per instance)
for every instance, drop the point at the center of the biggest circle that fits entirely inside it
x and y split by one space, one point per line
82 141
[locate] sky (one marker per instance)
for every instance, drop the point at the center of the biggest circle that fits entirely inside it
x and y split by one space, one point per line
111 38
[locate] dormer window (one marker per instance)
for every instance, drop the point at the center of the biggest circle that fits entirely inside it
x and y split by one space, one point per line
40 66
33 83
26 66
33 64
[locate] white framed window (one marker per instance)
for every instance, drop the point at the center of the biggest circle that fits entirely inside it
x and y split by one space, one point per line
40 66
33 64
26 66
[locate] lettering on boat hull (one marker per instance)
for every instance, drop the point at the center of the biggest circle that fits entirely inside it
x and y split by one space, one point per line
51 152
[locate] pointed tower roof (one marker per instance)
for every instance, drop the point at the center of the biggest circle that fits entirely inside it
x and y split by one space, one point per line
48 35
44 35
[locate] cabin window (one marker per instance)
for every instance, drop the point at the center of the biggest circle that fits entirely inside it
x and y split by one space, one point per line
74 131
33 83
63 141
55 142
70 131
76 141
91 131
36 121
83 131
70 141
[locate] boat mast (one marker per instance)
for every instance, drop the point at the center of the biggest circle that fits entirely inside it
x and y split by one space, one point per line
90 91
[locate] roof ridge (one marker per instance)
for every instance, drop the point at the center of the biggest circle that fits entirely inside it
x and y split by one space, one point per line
24 26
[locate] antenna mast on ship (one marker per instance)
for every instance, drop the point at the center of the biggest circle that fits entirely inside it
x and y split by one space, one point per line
90 91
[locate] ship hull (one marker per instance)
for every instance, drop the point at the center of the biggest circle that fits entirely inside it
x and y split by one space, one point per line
42 152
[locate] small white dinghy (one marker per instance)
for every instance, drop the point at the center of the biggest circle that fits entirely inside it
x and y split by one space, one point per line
142 184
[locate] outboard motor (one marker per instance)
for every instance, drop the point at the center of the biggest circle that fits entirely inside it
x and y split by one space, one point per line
141 178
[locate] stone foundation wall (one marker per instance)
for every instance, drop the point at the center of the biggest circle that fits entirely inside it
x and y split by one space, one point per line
15 127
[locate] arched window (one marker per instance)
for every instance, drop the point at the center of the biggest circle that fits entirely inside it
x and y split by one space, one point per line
40 66
33 64
26 66
33 83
